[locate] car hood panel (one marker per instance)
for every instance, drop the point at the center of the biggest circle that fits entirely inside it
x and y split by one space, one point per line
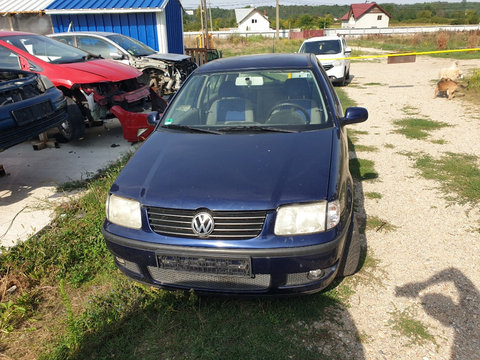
229 172
99 71
169 57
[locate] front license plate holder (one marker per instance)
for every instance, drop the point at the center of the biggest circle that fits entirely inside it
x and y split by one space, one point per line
32 113
212 264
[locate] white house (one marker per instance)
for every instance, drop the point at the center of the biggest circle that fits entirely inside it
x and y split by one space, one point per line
250 19
365 16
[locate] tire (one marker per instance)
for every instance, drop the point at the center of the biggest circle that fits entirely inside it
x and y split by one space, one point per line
74 127
351 252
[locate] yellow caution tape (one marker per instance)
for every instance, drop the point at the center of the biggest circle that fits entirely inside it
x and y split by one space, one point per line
404 54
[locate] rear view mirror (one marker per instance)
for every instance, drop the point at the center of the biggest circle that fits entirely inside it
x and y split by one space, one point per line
117 56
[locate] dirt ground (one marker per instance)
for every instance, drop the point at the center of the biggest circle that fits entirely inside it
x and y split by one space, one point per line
428 267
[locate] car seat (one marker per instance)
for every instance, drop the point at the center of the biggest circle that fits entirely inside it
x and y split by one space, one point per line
230 107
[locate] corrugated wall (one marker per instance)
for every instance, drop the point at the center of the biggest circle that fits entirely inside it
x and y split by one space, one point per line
173 14
140 26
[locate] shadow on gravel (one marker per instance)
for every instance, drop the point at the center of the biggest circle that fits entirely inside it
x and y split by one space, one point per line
461 314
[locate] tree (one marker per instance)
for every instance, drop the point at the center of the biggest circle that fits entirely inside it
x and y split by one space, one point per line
471 17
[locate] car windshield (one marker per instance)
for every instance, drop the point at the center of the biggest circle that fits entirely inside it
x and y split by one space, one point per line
132 46
47 49
322 47
257 100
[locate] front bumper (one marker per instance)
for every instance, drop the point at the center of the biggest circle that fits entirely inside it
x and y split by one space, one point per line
272 271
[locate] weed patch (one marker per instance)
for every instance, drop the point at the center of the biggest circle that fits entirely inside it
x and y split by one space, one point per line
373 195
135 321
405 324
457 173
378 224
362 169
418 128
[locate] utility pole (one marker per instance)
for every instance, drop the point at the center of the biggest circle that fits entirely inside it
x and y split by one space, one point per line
201 23
205 21
210 11
278 21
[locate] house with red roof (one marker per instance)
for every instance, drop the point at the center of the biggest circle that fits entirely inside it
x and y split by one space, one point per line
366 15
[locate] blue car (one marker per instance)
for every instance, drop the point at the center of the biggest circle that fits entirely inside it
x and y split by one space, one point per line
29 105
244 186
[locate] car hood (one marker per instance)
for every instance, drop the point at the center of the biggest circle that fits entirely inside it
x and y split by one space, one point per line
228 172
168 57
328 59
98 71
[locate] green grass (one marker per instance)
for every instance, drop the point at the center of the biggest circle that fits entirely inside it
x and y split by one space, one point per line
366 148
458 175
418 43
417 128
389 146
379 224
362 169
344 99
404 323
134 321
411 110
373 195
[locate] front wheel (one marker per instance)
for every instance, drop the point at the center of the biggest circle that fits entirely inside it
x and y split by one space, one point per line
74 127
350 260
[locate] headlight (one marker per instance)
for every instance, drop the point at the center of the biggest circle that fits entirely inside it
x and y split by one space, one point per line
307 218
124 212
47 84
337 63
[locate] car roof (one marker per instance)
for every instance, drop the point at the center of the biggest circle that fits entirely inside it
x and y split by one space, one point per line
9 33
263 61
98 33
322 38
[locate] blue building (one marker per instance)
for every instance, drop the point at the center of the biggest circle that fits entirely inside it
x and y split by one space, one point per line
157 23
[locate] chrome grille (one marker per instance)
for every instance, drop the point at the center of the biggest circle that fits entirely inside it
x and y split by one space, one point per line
229 225
209 282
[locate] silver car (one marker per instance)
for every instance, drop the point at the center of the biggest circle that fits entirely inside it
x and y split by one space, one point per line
163 72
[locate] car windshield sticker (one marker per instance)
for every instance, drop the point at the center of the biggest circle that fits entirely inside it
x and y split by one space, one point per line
168 121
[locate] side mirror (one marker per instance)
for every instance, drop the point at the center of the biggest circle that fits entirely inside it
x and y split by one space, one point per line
117 56
348 50
354 115
153 118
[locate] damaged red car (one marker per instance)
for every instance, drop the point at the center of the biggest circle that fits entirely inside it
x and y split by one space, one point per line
95 88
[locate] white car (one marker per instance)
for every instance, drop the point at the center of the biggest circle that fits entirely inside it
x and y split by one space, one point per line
331 51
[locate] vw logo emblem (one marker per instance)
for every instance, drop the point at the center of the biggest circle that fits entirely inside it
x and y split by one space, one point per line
203 224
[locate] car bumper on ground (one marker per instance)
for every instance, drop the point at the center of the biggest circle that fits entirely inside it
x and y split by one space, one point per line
134 125
274 271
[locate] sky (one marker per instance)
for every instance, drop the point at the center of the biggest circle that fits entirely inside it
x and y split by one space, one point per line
232 4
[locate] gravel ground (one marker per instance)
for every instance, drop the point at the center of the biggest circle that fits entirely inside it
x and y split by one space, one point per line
428 266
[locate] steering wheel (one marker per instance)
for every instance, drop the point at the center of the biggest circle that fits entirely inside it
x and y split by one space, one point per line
291 105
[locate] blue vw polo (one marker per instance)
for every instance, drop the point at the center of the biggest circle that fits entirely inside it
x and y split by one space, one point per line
244 186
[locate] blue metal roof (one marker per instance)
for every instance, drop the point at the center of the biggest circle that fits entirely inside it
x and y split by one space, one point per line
104 4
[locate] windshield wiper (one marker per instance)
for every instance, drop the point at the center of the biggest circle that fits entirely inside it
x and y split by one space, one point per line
190 129
255 128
